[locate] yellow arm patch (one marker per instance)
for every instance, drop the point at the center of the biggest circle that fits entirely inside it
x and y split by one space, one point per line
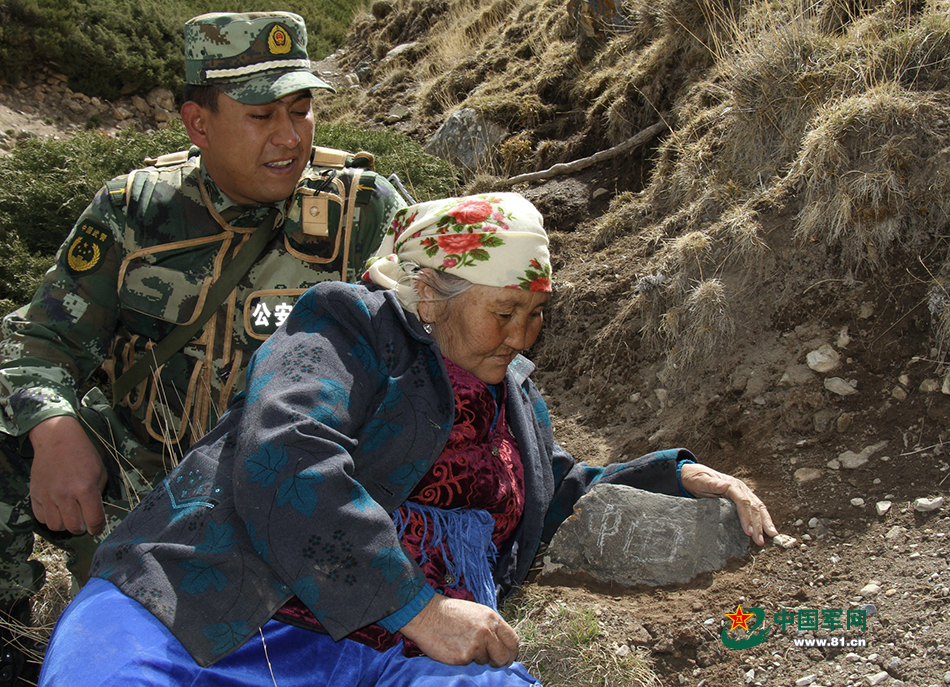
88 248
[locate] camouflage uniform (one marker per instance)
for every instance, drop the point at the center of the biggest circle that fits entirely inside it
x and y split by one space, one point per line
138 263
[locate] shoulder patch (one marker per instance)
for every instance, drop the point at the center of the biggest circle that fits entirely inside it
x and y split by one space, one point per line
88 248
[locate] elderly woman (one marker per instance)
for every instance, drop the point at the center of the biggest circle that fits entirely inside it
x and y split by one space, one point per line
386 477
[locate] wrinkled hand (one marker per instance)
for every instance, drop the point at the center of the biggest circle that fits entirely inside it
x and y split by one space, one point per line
67 477
458 632
702 481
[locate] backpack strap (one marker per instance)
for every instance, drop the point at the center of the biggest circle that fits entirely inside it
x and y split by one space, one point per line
169 159
338 159
218 292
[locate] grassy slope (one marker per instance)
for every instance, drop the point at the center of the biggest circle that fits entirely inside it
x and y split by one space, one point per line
831 115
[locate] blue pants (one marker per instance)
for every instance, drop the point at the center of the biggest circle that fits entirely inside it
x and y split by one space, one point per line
107 638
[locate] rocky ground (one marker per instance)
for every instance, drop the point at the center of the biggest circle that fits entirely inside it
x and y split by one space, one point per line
820 410
43 105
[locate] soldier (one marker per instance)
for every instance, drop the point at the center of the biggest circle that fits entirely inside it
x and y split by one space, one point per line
133 292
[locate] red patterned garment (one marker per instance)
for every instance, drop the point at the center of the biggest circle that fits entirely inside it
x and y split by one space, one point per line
480 468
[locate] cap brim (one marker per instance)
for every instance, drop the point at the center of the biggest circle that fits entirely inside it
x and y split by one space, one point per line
270 87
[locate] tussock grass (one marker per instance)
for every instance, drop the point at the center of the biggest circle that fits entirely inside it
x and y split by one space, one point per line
869 173
567 646
938 303
840 105
699 326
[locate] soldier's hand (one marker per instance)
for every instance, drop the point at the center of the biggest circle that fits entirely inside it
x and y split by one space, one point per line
67 477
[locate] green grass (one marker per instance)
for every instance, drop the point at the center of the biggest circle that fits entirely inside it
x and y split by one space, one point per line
425 177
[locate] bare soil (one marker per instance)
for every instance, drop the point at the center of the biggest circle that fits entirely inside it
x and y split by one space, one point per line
790 439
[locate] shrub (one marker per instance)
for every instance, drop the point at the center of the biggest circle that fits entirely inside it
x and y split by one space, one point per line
112 47
425 177
46 184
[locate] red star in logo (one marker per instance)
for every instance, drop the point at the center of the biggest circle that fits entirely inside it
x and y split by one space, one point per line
739 619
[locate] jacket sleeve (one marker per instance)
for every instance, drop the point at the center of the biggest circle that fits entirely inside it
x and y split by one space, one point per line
51 346
656 472
320 398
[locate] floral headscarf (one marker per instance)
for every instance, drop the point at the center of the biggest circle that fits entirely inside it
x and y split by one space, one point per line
493 239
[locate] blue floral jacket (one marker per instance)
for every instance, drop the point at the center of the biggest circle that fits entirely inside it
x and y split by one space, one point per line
346 408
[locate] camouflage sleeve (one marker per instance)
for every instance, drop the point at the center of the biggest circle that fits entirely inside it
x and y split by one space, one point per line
51 346
378 201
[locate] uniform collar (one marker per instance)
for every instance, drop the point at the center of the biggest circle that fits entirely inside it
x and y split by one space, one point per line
235 214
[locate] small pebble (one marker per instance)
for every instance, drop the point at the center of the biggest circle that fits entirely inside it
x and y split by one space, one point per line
785 541
923 505
893 663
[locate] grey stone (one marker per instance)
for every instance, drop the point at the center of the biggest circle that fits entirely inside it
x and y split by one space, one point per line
807 474
850 460
894 663
397 113
923 505
161 97
163 115
466 139
796 375
633 537
823 359
784 540
825 417
141 104
896 532
398 50
838 386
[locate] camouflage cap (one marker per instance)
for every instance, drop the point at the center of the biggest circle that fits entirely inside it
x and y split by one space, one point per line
255 57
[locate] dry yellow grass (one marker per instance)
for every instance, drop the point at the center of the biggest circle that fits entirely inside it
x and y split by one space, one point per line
569 646
869 170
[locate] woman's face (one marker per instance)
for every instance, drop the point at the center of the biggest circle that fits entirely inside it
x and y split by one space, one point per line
482 329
